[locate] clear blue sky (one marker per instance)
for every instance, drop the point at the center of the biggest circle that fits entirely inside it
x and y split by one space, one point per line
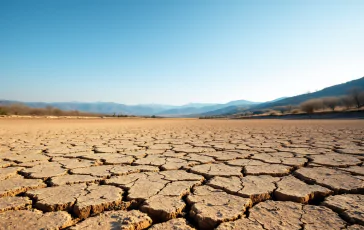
177 51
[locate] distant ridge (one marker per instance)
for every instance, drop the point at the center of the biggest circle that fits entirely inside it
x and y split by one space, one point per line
335 90
232 107
139 110
193 109
332 91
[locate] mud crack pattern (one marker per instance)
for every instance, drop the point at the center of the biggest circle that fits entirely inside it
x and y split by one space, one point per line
181 174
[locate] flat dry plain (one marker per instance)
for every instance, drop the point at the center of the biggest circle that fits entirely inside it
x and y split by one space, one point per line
181 174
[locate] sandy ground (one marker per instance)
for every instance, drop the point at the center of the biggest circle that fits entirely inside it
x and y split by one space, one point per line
181 174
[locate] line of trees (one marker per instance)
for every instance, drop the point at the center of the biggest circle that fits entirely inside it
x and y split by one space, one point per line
118 115
354 99
21 109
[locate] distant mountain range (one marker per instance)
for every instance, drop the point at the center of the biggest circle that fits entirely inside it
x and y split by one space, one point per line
196 111
228 108
332 91
193 109
139 110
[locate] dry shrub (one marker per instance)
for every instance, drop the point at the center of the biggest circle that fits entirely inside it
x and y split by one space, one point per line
312 105
347 102
3 111
273 113
331 102
357 96
295 111
283 109
270 112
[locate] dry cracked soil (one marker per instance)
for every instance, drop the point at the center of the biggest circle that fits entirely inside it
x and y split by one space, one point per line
181 174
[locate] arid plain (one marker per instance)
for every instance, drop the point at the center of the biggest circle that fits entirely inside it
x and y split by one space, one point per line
181 174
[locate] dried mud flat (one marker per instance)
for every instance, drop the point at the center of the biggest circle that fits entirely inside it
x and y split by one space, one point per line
181 174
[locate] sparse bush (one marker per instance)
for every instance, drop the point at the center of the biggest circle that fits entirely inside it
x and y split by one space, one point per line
295 111
3 111
312 105
18 109
76 113
273 113
283 109
38 112
49 109
357 95
347 102
57 112
331 102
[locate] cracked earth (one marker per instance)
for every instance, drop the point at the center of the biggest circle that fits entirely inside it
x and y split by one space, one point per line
181 174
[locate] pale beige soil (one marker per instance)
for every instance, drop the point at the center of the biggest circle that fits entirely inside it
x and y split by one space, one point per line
181 174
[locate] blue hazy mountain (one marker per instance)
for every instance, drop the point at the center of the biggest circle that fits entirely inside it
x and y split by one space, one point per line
111 107
193 109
